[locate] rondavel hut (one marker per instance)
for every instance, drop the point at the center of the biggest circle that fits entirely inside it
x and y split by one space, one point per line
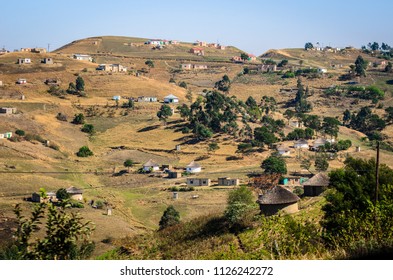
278 199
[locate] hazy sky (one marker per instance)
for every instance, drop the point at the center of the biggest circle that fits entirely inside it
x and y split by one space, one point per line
253 26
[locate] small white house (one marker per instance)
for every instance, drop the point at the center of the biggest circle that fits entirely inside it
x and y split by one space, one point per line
147 99
171 99
84 57
116 97
322 70
193 167
301 144
24 61
21 81
151 166
283 151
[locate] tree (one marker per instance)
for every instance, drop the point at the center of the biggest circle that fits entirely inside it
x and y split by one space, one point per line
184 111
321 163
244 56
388 68
289 114
360 66
389 114
71 88
346 116
202 132
308 46
128 163
351 213
88 128
274 164
164 113
330 126
183 84
224 84
264 135
67 236
212 147
20 132
240 202
79 119
62 194
149 63
189 95
80 84
84 151
170 217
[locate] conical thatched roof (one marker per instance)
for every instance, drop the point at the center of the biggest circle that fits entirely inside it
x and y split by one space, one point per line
320 141
283 148
320 179
278 195
193 164
301 142
151 163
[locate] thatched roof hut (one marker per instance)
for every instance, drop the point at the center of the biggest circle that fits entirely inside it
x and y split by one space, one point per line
276 199
316 184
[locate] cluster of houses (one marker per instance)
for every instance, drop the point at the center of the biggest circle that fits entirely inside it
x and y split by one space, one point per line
238 59
33 50
281 198
75 194
114 68
210 45
161 42
189 66
304 144
26 60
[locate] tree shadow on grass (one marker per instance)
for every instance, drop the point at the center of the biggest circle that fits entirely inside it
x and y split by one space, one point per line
149 128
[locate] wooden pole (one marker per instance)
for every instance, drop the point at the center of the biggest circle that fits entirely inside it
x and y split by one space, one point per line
376 176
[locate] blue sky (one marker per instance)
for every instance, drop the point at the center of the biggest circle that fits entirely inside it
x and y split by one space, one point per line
253 26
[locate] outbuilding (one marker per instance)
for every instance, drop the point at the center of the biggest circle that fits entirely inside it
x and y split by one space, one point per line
75 193
316 184
171 99
193 167
301 144
199 182
151 165
278 199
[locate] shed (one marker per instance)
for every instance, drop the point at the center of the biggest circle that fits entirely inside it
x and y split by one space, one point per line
301 144
226 181
193 167
75 193
7 135
198 182
24 60
7 110
171 99
151 165
47 60
316 184
174 174
278 199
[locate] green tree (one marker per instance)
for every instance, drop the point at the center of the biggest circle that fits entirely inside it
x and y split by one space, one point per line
240 202
189 96
224 84
289 114
202 132
213 146
308 46
184 111
164 113
388 68
80 84
351 214
321 163
274 164
389 114
128 163
360 66
67 236
79 119
170 217
346 116
330 126
244 56
71 88
264 135
149 63
84 151
20 132
88 128
183 84
62 194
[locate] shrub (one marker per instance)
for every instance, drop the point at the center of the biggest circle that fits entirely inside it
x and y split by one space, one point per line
61 117
54 146
84 152
79 119
289 74
170 217
88 128
62 194
183 84
20 132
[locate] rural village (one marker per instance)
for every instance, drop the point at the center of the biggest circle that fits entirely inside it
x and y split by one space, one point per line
143 136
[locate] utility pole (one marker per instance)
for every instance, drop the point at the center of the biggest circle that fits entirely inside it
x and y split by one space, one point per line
48 47
376 176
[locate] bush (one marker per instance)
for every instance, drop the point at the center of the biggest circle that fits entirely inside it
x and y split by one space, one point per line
289 74
99 204
61 117
20 132
88 128
54 146
79 119
62 194
84 152
183 84
170 217
240 202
